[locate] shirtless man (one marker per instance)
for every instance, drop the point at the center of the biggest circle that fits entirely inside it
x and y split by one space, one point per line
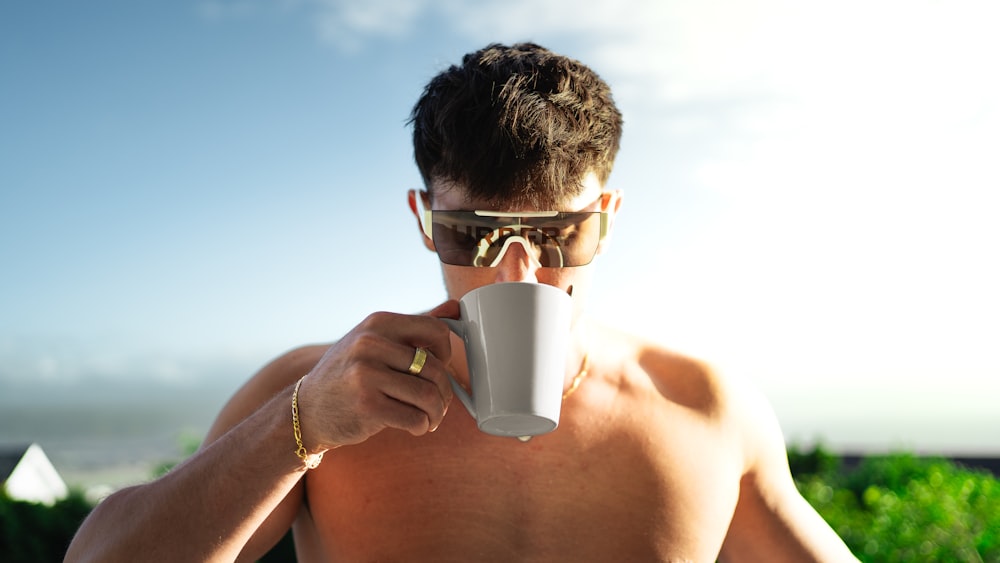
657 456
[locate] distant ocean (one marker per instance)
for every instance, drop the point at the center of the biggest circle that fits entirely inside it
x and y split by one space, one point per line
110 433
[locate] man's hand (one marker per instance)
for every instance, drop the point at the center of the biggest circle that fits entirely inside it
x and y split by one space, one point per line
362 384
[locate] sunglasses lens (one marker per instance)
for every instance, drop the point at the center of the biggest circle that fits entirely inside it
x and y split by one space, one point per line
465 238
455 243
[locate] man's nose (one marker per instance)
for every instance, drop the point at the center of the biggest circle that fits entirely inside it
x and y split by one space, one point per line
516 263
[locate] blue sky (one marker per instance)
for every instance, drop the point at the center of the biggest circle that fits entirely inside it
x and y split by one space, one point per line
188 188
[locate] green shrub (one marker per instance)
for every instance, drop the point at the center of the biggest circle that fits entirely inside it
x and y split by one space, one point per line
37 533
900 507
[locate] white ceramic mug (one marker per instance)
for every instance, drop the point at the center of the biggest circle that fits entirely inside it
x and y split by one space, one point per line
516 338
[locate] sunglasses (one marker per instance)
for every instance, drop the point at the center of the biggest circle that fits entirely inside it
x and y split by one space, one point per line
553 239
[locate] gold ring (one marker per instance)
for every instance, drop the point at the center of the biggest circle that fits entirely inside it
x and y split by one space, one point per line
417 365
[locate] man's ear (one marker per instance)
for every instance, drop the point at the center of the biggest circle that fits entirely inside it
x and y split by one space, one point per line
417 211
611 202
617 196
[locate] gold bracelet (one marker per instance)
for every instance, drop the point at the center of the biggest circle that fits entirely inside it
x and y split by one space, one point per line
311 461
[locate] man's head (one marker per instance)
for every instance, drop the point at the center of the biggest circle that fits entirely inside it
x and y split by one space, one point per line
519 141
516 127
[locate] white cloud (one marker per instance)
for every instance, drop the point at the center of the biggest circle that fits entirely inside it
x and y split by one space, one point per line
790 86
676 52
348 24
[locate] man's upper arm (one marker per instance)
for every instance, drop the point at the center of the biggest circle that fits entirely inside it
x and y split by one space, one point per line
772 521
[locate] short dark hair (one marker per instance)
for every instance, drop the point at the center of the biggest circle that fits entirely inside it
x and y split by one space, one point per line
516 125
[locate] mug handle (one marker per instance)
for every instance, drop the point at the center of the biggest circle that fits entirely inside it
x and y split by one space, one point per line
458 327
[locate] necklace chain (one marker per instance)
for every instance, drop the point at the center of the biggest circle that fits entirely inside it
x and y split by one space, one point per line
580 375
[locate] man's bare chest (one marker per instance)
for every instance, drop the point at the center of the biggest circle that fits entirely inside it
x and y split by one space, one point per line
461 494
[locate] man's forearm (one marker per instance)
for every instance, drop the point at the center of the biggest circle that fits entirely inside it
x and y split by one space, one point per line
208 507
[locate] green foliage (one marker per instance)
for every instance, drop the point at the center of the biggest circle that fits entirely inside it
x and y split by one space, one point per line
900 507
31 532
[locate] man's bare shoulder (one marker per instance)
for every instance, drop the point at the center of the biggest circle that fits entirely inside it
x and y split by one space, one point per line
730 401
283 370
277 375
679 377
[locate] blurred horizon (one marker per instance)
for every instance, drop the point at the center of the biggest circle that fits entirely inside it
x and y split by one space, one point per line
810 194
